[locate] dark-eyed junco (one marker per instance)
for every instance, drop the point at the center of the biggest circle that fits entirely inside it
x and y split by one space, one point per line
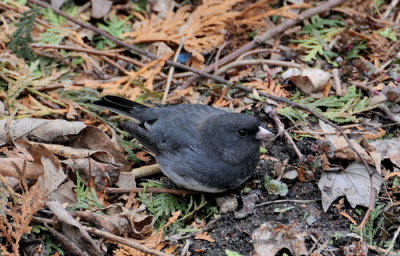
197 146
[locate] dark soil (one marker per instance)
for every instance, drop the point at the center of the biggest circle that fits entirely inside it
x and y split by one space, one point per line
235 235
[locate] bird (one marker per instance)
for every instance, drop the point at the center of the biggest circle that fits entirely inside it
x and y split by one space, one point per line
198 147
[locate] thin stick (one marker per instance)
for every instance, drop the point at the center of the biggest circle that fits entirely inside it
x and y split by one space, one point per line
257 62
288 201
391 245
171 72
281 128
255 52
217 56
390 8
337 83
125 241
381 250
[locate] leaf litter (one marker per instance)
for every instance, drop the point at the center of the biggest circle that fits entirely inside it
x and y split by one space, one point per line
57 147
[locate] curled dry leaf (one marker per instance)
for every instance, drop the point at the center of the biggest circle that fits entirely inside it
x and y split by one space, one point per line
141 224
271 237
95 139
40 129
87 149
311 81
53 173
354 183
73 230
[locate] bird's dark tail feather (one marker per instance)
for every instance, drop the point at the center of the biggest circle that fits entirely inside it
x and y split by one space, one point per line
119 105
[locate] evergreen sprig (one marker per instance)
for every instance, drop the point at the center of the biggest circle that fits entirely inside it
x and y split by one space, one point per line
22 36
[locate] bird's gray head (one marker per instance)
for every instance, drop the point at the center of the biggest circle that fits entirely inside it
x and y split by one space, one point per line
233 137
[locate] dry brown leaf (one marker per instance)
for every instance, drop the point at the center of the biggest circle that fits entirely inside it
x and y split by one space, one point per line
311 81
40 129
272 89
64 194
204 236
343 151
103 175
114 224
95 139
141 224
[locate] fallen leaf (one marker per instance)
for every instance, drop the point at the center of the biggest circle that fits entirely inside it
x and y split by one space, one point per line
100 8
311 81
389 149
354 183
271 237
40 129
116 225
102 174
343 151
64 194
95 139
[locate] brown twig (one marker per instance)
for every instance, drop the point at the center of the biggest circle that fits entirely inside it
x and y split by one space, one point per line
381 250
271 33
125 241
281 129
390 8
240 63
180 192
336 82
217 56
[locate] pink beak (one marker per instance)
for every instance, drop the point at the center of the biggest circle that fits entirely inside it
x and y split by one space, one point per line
263 133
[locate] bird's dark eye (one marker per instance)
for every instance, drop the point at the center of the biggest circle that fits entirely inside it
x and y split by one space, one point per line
242 133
